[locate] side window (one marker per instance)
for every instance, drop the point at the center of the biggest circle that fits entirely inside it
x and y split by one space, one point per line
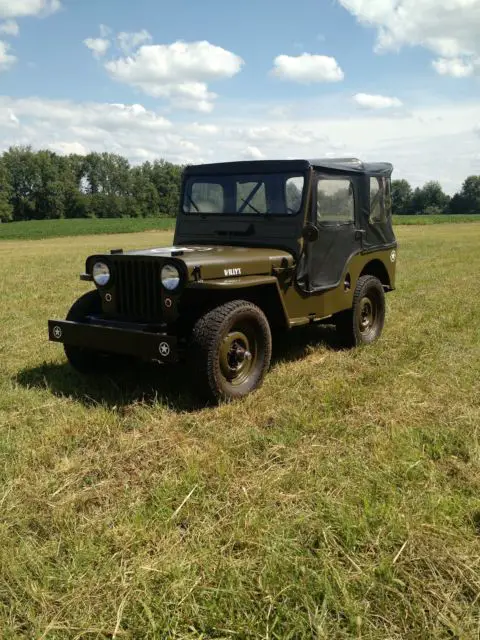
379 200
388 197
294 193
207 196
335 201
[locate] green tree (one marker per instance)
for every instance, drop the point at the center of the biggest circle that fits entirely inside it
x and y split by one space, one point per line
71 172
76 203
76 166
106 180
6 209
49 186
21 166
402 194
430 196
100 205
468 199
91 173
114 174
143 192
167 180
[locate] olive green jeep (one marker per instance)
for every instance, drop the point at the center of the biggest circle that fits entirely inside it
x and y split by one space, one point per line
259 247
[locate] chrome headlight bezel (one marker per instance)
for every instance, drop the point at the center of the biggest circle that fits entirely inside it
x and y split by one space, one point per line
170 277
101 273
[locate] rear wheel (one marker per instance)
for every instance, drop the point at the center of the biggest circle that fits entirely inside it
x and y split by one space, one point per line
89 361
364 322
232 345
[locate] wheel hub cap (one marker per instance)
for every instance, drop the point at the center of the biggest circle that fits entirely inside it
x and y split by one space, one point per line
236 357
367 315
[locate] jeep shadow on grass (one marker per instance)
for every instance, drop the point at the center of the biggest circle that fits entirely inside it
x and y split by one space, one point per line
151 382
260 248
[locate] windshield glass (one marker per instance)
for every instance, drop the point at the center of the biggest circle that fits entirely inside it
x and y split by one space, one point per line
274 194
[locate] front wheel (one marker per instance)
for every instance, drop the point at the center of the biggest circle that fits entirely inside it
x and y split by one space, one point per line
232 345
364 322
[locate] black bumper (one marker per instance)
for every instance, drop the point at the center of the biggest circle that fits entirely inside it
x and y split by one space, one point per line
153 346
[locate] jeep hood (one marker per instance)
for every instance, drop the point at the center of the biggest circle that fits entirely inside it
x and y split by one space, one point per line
222 261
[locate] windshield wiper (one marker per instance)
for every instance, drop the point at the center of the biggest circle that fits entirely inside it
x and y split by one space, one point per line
193 203
253 193
250 205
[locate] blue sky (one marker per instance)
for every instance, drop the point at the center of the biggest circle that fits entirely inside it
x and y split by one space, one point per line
393 80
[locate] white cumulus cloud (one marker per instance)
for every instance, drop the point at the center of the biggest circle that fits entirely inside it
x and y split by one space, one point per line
369 101
449 29
281 134
108 117
8 119
454 67
131 41
22 8
9 28
307 68
179 72
67 148
68 127
203 129
98 46
7 60
253 153
413 140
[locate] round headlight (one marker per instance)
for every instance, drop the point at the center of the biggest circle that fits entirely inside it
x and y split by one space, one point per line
101 274
170 277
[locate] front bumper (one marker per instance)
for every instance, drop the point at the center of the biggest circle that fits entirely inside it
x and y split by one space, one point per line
131 342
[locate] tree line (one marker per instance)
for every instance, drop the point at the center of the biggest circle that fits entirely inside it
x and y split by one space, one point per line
432 200
38 185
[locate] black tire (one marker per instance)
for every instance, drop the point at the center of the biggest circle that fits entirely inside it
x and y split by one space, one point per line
232 347
89 361
363 323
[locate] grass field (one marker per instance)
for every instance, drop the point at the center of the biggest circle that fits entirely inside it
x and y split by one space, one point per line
443 219
43 229
340 501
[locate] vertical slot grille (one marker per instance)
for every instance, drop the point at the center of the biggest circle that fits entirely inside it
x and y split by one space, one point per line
138 289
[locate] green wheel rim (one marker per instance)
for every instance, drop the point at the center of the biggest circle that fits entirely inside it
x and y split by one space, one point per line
238 355
367 315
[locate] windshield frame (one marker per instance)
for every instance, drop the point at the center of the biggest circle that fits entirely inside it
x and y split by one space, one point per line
243 215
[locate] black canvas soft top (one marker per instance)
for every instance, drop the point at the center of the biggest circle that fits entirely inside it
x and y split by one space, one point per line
286 231
343 165
353 165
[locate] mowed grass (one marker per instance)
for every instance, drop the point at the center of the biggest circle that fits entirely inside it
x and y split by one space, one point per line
340 501
43 229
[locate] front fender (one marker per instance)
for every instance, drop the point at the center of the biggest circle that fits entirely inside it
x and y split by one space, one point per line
242 282
263 290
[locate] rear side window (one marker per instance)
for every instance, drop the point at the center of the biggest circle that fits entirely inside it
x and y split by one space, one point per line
380 200
335 201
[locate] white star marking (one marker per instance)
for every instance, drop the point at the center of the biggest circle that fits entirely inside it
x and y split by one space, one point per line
164 349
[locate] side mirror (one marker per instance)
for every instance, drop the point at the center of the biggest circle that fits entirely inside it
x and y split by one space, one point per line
310 232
